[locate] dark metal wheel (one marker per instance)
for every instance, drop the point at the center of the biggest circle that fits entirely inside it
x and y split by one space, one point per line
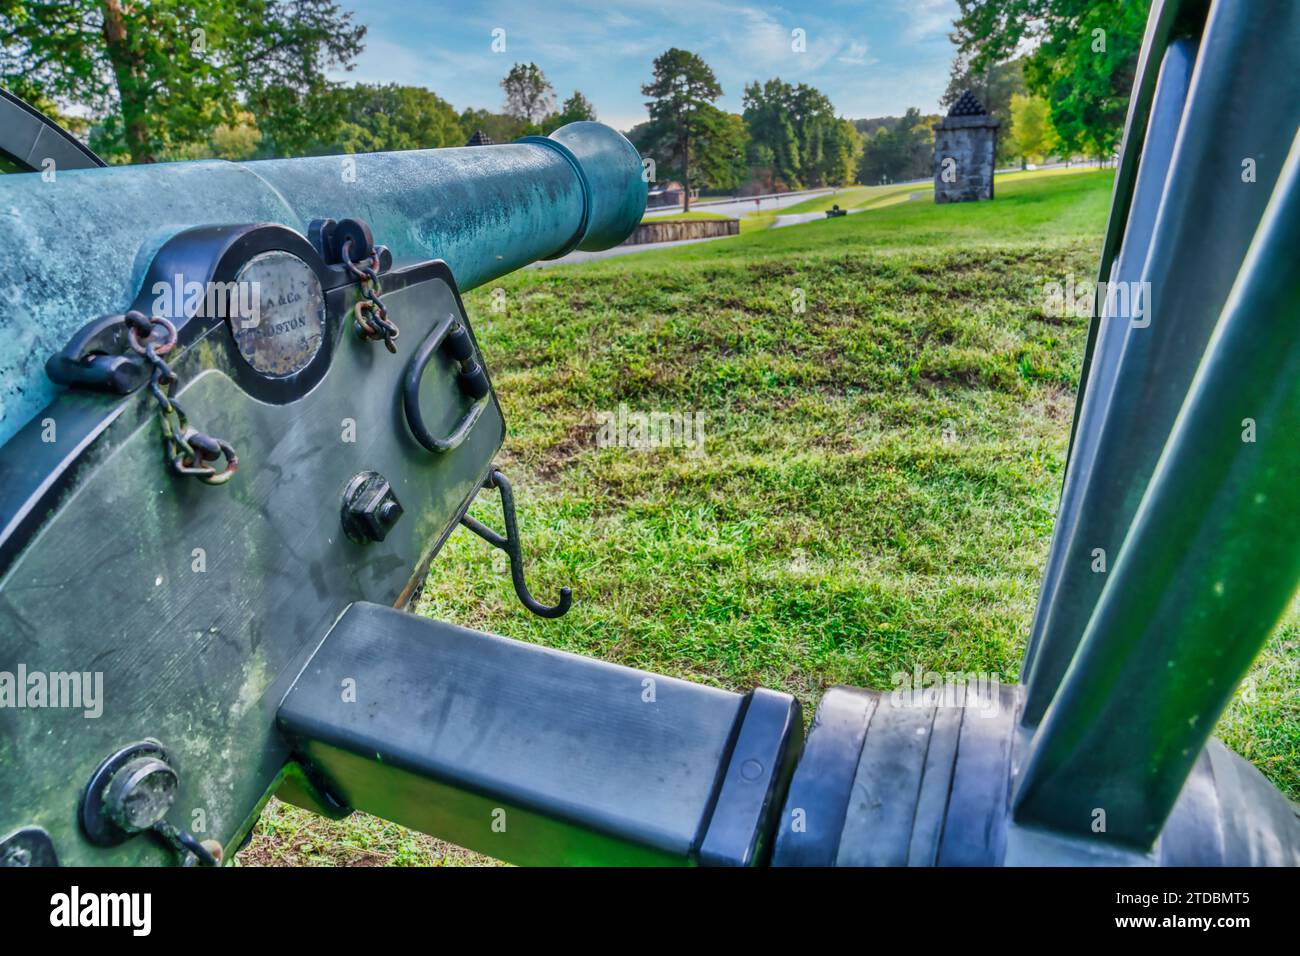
28 138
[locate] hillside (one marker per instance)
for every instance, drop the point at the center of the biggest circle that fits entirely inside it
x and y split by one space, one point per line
879 471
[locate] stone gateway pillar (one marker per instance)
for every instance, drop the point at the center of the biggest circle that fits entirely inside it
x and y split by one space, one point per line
965 148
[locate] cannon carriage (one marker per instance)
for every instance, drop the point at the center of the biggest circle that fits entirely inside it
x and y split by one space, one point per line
244 406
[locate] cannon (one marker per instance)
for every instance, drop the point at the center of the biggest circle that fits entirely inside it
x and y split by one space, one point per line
244 406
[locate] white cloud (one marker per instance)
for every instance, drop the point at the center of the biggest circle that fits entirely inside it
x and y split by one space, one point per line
870 58
762 43
927 19
856 55
384 61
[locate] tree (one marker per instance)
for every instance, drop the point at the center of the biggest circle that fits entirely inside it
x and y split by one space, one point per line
775 142
762 168
577 108
574 110
722 150
814 120
392 117
237 141
233 141
281 61
795 128
993 86
718 154
165 75
681 108
529 96
1083 58
843 147
1031 135
498 127
899 152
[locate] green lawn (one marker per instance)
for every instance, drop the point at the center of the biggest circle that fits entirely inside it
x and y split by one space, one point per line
877 197
879 474
856 197
756 221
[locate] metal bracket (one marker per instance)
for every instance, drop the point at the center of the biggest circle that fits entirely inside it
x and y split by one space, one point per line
510 545
98 358
447 336
327 236
30 846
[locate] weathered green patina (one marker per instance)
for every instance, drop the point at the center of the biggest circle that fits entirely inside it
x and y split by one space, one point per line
80 244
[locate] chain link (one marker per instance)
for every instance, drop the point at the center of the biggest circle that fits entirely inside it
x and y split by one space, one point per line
188 451
369 314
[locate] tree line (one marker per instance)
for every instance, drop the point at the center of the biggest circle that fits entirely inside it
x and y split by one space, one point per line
238 79
787 136
1069 93
1067 96
245 79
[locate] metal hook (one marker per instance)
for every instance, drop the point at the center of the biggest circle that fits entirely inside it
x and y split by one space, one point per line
510 545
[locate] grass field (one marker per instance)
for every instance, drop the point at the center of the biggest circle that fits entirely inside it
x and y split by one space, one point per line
857 197
878 477
878 197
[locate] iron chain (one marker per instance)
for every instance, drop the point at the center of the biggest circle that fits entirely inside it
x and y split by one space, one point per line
187 450
369 314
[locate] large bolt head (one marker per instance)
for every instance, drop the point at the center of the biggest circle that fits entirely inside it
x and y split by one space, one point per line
370 509
140 794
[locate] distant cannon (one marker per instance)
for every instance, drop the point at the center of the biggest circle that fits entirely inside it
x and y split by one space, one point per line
172 654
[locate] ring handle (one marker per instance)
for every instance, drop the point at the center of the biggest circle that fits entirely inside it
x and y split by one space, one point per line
411 394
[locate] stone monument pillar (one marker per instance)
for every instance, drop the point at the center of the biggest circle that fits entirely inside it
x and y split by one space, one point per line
965 150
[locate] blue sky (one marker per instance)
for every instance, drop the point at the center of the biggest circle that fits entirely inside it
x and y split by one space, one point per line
871 57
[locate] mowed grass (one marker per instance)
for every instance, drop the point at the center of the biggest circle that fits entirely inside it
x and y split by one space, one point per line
878 479
876 197
856 197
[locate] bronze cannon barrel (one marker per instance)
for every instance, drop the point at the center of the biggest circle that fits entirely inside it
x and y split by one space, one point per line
80 241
